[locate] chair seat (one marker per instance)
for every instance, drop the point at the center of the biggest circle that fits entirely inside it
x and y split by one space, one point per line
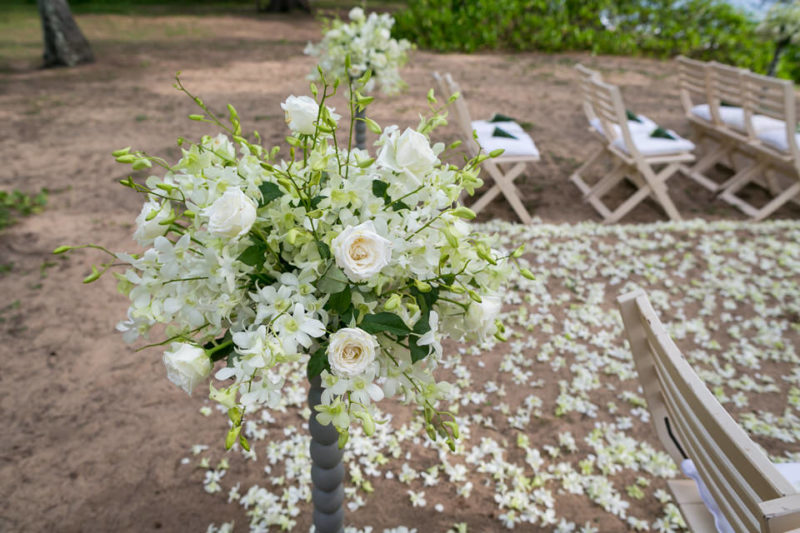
734 117
523 145
777 138
483 126
645 126
649 146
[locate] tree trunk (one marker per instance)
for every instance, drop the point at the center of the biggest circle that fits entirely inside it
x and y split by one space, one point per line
64 44
284 6
776 57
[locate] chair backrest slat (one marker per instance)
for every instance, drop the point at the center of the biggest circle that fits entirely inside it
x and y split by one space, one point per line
726 84
699 432
449 87
607 103
693 82
772 97
584 82
737 473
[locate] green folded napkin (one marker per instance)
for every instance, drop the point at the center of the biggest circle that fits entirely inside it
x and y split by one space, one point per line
502 133
632 116
501 118
661 133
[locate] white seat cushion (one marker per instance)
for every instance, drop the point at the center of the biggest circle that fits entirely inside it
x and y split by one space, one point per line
790 471
645 126
484 126
656 145
721 523
777 138
702 111
734 117
521 146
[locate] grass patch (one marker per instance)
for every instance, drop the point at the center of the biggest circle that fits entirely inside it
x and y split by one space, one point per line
16 203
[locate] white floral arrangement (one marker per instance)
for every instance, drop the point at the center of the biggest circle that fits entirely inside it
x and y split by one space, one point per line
356 266
365 44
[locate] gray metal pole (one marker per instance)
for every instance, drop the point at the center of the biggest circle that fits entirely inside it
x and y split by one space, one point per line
361 131
327 469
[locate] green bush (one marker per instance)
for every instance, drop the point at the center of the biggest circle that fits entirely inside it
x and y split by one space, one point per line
704 29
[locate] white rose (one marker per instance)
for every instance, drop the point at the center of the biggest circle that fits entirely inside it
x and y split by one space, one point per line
187 365
360 252
149 222
351 351
481 316
410 152
232 215
356 14
301 114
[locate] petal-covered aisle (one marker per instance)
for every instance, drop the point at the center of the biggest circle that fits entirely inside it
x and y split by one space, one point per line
555 433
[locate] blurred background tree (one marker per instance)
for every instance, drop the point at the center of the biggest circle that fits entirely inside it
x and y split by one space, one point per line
781 26
64 43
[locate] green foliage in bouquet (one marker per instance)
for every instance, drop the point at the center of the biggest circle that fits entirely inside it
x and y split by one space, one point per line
357 265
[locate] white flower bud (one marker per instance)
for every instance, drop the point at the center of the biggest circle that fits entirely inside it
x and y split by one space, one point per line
187 365
148 223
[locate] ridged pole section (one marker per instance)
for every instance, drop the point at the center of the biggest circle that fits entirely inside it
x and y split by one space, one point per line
327 469
361 130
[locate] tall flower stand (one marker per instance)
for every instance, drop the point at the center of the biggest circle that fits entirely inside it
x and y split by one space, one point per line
327 469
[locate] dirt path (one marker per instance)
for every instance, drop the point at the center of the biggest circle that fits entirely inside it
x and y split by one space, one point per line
93 433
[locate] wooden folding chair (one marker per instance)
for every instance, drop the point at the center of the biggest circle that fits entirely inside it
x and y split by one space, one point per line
726 108
641 124
519 152
768 101
636 155
748 489
694 80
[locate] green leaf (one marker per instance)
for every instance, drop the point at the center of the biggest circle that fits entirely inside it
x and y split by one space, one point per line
339 302
324 250
418 353
317 363
399 205
498 117
253 255
661 133
499 132
333 281
425 300
630 115
384 323
317 199
269 192
379 189
422 326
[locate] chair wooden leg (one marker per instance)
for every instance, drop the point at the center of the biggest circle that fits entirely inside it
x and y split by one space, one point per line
659 189
593 158
696 171
505 184
777 202
627 205
742 178
607 182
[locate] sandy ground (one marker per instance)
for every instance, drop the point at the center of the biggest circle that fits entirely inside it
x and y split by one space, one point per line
93 433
